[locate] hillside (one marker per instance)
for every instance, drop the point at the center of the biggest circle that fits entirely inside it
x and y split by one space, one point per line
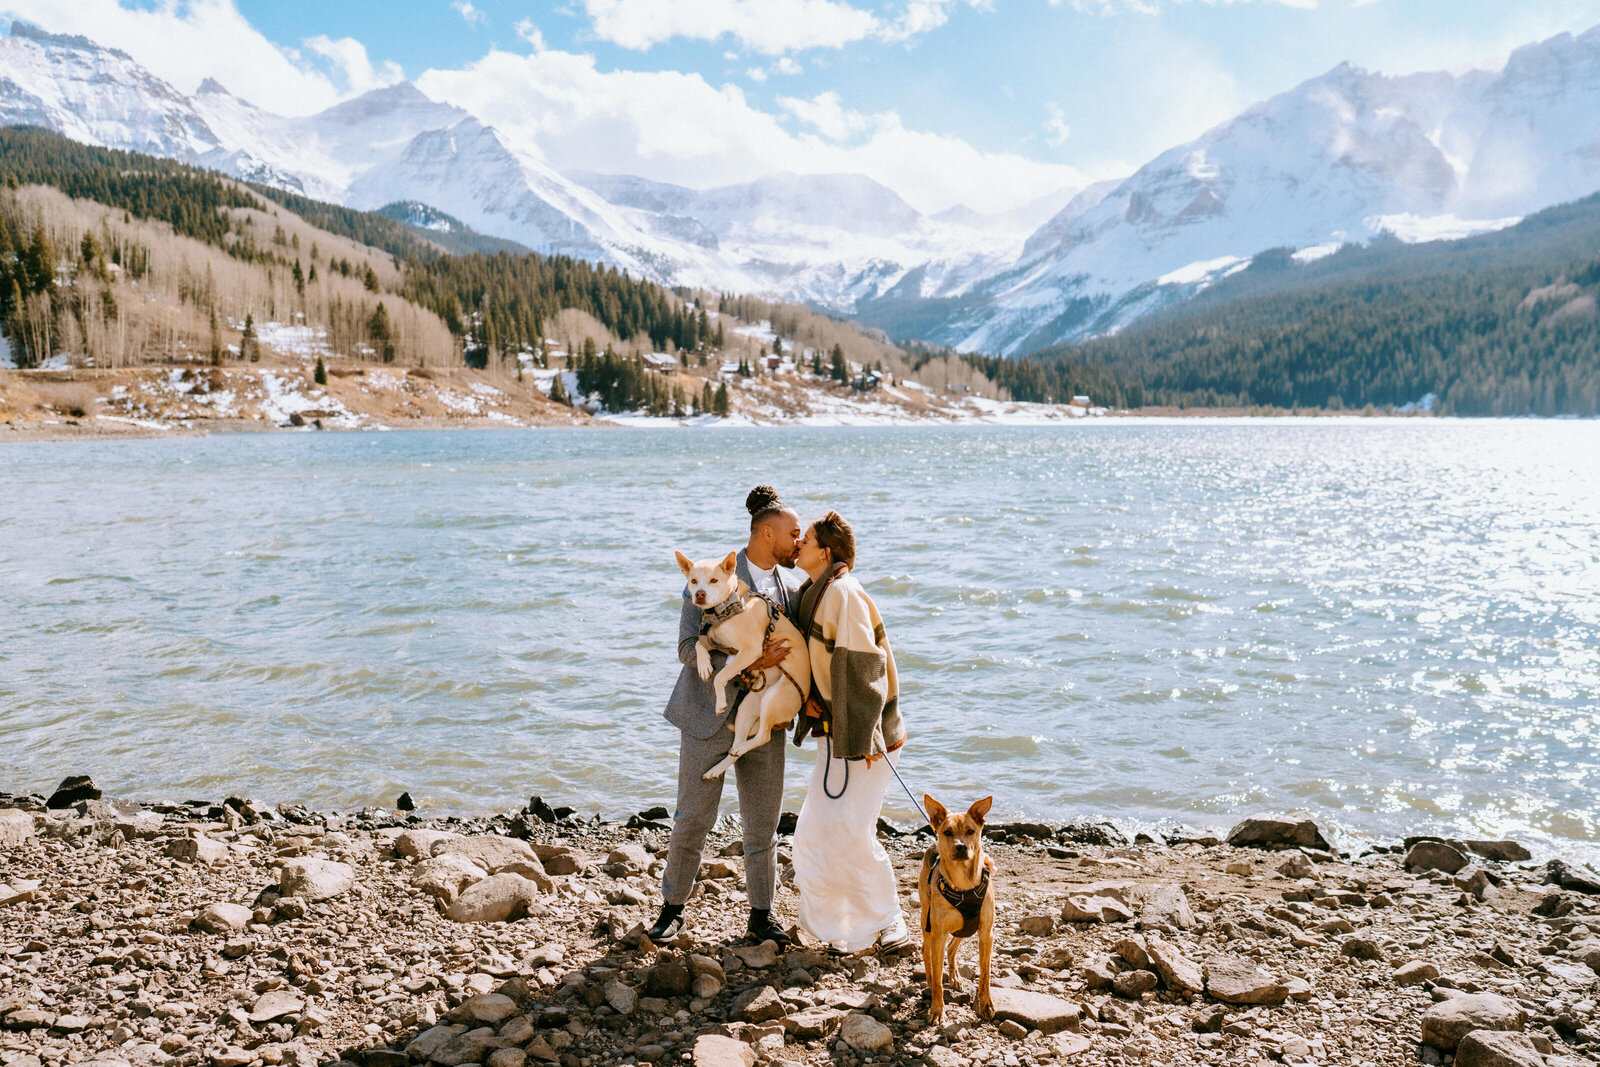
1501 324
112 263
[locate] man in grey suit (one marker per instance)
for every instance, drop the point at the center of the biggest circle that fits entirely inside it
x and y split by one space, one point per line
705 737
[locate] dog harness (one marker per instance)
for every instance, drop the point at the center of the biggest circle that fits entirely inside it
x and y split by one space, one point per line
754 681
967 902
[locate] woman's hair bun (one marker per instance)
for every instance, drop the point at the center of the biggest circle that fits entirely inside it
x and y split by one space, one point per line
760 499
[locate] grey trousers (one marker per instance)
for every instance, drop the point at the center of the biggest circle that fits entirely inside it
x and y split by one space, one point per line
759 777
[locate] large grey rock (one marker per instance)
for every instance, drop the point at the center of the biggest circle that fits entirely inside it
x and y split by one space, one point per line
1415 973
1133 984
757 1005
447 875
432 1040
486 1009
621 997
1036 1011
1497 1048
16 826
1502 851
1296 830
864 1033
418 844
314 879
1165 906
470 1047
1587 952
498 898
1237 980
1446 1023
73 789
275 1005
1177 971
1434 856
198 849
490 851
18 892
1095 908
714 1050
759 956
223 919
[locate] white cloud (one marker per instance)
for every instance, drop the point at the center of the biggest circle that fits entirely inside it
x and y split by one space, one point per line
1056 130
189 42
530 33
677 127
770 27
1152 7
465 9
923 16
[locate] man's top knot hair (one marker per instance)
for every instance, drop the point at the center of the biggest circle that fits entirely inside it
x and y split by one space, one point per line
763 504
760 499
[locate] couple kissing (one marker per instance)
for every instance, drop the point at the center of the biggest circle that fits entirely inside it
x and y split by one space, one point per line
847 889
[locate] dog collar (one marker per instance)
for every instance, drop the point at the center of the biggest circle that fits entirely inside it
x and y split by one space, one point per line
714 617
967 902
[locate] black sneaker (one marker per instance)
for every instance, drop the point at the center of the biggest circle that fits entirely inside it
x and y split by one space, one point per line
762 928
669 924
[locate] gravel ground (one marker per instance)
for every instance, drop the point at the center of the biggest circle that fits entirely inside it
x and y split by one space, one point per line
236 935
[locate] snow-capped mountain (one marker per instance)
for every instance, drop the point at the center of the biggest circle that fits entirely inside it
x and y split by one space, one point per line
1343 157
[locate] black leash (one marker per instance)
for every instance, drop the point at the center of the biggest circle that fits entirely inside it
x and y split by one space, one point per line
828 736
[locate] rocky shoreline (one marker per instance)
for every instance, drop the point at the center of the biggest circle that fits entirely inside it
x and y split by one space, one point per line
236 935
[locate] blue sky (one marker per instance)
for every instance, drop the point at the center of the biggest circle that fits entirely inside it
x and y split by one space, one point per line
990 102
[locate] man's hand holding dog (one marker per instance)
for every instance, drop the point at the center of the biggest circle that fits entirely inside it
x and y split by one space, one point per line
774 652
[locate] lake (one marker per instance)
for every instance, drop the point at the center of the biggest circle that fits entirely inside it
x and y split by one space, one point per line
1394 624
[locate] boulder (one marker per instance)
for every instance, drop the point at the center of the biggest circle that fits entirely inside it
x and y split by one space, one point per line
1298 865
73 789
446 876
864 1033
1069 1045
498 898
198 849
16 826
223 919
631 857
1501 851
621 997
485 1009
759 956
18 892
812 1023
714 1050
418 844
1036 1011
314 880
1037 925
1497 1048
668 978
1434 856
1237 980
1181 974
1296 830
1132 950
470 1047
490 851
1165 906
275 1004
432 1040
757 1005
1415 973
1446 1023
1134 984
1575 879
1361 948
1079 908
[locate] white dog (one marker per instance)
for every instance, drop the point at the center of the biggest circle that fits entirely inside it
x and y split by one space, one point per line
739 622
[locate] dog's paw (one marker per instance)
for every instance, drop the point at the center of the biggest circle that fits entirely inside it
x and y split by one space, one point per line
936 1015
985 1006
704 670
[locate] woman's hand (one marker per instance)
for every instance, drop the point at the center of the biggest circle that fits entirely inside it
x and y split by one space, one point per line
774 652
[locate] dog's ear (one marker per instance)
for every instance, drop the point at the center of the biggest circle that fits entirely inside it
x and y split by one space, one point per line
685 564
730 564
934 810
980 808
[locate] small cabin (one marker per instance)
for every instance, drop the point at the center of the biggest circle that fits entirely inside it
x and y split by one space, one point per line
660 361
1080 402
867 383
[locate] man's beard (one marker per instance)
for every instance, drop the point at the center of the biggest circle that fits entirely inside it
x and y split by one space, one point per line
788 561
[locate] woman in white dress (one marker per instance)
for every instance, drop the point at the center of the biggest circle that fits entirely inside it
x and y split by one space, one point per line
847 886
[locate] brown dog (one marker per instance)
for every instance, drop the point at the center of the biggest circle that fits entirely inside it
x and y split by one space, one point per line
957 894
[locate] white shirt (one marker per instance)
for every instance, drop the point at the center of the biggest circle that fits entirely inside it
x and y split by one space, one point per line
765 582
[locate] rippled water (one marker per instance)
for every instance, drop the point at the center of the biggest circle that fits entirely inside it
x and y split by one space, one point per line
1395 624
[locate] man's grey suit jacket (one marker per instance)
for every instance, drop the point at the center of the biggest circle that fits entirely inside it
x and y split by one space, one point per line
692 707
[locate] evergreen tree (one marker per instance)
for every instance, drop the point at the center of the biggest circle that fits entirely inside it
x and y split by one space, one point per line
707 400
720 405
558 389
299 279
320 375
216 340
371 280
248 348
841 370
378 332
